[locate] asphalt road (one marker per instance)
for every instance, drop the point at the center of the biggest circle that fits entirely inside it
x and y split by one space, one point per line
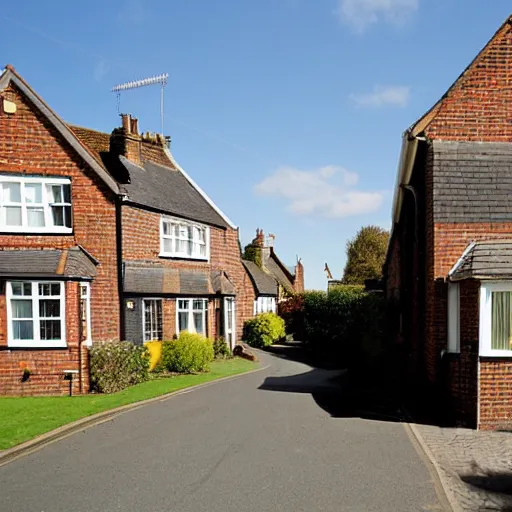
261 442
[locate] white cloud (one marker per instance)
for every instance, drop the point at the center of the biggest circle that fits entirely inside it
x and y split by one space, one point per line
381 96
362 13
325 192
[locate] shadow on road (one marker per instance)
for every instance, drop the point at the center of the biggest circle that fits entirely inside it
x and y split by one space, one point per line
333 390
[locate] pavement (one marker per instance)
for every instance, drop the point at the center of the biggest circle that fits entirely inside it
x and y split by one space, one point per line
475 467
275 440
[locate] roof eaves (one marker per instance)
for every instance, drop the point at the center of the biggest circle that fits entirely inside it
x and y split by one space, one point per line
11 76
461 260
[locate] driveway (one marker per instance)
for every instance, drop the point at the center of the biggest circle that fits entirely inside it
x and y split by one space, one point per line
261 442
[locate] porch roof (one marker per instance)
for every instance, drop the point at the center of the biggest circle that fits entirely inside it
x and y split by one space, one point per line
485 260
73 263
152 279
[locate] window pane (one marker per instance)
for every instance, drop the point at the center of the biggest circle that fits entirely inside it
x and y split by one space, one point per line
20 288
23 330
167 228
35 217
67 193
58 215
198 323
56 194
49 308
168 245
501 333
55 289
202 251
44 289
12 192
50 329
13 215
199 305
67 216
33 193
183 321
183 304
21 308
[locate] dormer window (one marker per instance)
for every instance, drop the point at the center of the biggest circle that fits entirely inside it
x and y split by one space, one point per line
35 204
184 239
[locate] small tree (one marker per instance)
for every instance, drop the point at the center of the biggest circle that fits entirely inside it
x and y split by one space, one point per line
366 253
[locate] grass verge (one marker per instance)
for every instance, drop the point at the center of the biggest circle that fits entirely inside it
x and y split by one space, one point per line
23 418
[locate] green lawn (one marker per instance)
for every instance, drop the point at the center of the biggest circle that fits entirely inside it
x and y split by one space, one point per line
24 418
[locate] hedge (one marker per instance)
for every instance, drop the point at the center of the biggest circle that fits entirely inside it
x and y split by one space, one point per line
264 330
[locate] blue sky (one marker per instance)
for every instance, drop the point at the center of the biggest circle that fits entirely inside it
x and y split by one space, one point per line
289 113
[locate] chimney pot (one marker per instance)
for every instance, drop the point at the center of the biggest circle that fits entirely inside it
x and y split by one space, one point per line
126 123
135 126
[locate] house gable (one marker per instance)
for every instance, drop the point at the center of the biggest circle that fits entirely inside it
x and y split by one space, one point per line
478 106
10 78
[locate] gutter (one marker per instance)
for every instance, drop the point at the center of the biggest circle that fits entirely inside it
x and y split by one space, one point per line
410 142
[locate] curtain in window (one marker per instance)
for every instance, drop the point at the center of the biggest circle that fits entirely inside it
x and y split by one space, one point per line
501 333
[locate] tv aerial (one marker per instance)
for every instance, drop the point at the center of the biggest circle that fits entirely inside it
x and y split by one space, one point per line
136 84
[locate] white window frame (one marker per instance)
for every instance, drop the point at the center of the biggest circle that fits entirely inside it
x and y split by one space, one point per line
87 297
187 224
265 304
36 342
230 318
45 204
453 318
190 310
144 340
485 331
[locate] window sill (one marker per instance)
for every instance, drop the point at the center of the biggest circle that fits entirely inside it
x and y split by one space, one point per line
497 354
36 344
183 258
27 231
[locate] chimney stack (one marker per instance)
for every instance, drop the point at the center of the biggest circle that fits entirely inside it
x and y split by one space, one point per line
126 140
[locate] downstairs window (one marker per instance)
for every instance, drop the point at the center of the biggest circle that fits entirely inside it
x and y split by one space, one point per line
496 319
36 314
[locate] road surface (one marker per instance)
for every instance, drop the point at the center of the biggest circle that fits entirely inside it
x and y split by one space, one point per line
268 441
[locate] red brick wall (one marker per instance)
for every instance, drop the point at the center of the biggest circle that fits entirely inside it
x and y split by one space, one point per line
29 144
495 394
479 107
298 283
141 241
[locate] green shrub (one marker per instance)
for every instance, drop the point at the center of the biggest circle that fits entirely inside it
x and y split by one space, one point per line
264 330
221 349
190 353
117 365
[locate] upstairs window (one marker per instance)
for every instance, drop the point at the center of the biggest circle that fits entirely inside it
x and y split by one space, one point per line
35 204
182 239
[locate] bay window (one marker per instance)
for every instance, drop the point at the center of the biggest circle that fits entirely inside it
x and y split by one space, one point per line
35 204
182 239
496 319
36 314
191 315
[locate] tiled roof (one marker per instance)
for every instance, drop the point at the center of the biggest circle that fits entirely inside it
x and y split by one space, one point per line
141 278
491 259
264 284
276 270
74 263
472 181
96 142
167 190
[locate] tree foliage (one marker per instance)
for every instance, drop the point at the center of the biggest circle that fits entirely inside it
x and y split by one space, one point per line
252 253
366 253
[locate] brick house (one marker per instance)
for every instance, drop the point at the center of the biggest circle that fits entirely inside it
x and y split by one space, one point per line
181 261
448 270
289 279
58 254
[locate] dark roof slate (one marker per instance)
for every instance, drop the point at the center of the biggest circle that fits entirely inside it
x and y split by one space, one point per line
264 284
472 181
73 263
491 259
167 190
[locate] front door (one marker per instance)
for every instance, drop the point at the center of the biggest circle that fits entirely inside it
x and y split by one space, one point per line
229 322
